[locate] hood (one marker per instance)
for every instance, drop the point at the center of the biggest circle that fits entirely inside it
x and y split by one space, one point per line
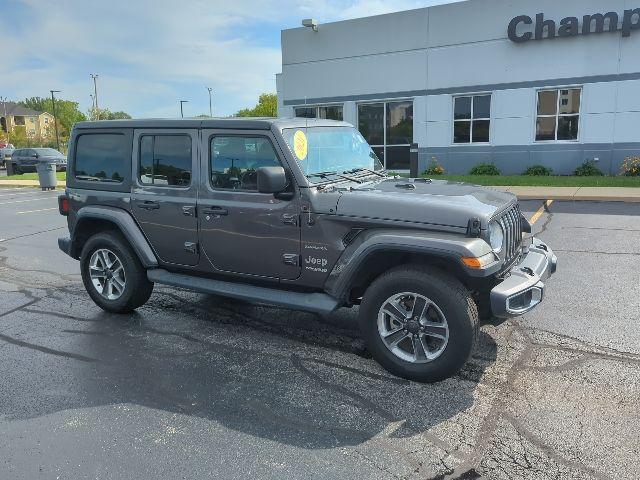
436 202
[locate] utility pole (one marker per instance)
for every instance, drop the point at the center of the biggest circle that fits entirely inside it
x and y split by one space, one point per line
181 111
95 93
6 120
93 107
55 117
210 107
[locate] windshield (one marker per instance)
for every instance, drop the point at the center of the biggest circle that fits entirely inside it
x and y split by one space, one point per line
330 150
48 152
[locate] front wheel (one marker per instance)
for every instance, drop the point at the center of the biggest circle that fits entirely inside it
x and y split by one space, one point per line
419 323
16 170
113 275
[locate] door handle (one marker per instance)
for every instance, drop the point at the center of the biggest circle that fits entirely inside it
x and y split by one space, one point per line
149 205
215 211
188 210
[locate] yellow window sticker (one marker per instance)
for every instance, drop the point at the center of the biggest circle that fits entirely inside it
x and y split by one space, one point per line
300 145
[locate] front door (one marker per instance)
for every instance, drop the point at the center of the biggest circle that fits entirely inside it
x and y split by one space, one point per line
164 193
241 230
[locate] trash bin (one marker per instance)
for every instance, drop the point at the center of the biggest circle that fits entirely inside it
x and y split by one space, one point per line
9 164
47 174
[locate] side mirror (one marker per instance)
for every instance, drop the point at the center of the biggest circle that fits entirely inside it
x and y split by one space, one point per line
271 179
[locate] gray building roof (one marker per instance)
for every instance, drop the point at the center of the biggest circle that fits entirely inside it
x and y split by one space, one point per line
16 109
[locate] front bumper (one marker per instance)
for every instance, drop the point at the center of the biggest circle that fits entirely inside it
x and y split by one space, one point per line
523 288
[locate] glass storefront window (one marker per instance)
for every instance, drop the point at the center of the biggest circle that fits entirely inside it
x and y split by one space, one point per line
472 119
558 114
329 112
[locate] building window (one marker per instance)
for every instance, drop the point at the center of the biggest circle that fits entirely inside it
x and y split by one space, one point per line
46 120
18 121
329 112
165 160
558 114
388 127
471 119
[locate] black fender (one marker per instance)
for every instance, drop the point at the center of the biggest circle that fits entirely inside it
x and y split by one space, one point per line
124 222
448 247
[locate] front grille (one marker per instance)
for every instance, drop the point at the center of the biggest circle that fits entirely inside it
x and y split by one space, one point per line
511 222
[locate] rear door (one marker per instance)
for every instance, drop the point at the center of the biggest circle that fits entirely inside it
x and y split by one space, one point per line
241 230
164 192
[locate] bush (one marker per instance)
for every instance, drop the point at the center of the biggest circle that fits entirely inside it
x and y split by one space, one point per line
485 169
588 169
538 171
630 167
434 168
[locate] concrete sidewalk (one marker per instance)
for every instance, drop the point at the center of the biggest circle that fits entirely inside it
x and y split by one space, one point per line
597 194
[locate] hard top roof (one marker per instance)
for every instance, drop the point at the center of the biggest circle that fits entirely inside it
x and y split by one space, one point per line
214 123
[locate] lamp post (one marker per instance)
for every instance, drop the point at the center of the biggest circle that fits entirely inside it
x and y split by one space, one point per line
95 93
55 117
6 120
181 110
210 107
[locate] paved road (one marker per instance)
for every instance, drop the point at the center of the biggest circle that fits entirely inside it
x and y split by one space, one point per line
194 386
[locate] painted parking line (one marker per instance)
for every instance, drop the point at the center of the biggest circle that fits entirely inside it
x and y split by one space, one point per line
4 194
538 214
29 200
35 211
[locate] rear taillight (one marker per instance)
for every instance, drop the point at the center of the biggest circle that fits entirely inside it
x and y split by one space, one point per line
63 205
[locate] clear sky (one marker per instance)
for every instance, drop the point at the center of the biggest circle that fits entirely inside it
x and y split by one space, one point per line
149 54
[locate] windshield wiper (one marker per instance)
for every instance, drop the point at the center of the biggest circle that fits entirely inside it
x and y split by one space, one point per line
325 175
356 170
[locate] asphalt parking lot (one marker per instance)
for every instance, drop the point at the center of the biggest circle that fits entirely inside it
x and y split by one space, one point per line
194 386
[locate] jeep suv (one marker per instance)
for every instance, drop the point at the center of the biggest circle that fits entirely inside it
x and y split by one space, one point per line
300 214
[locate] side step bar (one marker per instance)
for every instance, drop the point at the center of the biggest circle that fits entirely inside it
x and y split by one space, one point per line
309 302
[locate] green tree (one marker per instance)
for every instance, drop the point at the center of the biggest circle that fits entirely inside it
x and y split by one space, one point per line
267 107
106 114
67 113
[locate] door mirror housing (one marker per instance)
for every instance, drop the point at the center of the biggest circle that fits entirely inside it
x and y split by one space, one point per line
271 179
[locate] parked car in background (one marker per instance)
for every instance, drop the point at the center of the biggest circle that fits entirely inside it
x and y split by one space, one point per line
6 150
26 159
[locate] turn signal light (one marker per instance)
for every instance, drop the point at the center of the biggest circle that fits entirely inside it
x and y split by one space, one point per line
479 262
63 205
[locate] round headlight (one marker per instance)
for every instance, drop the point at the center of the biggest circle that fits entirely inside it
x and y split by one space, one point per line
496 236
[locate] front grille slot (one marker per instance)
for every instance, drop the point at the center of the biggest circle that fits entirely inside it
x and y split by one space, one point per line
511 222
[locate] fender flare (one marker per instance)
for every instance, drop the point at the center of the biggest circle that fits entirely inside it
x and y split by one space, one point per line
127 226
448 246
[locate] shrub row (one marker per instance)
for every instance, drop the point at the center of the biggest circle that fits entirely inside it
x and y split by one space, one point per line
630 168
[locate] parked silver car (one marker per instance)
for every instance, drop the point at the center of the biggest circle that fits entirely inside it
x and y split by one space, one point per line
26 159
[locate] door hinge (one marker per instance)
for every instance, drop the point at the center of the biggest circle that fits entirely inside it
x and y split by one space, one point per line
291 259
191 247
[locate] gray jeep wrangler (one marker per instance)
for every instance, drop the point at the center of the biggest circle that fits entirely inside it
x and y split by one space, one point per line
299 214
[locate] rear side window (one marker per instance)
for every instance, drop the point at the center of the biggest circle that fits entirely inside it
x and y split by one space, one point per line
165 160
101 157
235 159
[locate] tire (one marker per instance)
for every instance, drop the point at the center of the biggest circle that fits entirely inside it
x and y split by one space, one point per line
445 331
129 287
16 170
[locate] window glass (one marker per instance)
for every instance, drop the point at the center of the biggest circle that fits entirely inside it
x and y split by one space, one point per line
548 102
330 112
398 158
102 157
546 128
482 106
568 127
165 160
235 159
305 112
480 131
462 109
399 123
371 123
462 132
569 101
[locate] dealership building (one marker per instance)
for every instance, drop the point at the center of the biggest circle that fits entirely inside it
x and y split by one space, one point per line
510 82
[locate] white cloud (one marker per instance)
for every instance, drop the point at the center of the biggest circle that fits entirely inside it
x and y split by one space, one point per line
151 53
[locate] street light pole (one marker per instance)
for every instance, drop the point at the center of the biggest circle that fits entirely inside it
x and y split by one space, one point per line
55 117
93 107
210 107
181 111
6 120
95 93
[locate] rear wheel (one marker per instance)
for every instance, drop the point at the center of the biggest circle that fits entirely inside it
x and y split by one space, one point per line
419 323
112 274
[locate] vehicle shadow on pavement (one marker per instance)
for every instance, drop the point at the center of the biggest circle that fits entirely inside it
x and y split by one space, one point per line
290 377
